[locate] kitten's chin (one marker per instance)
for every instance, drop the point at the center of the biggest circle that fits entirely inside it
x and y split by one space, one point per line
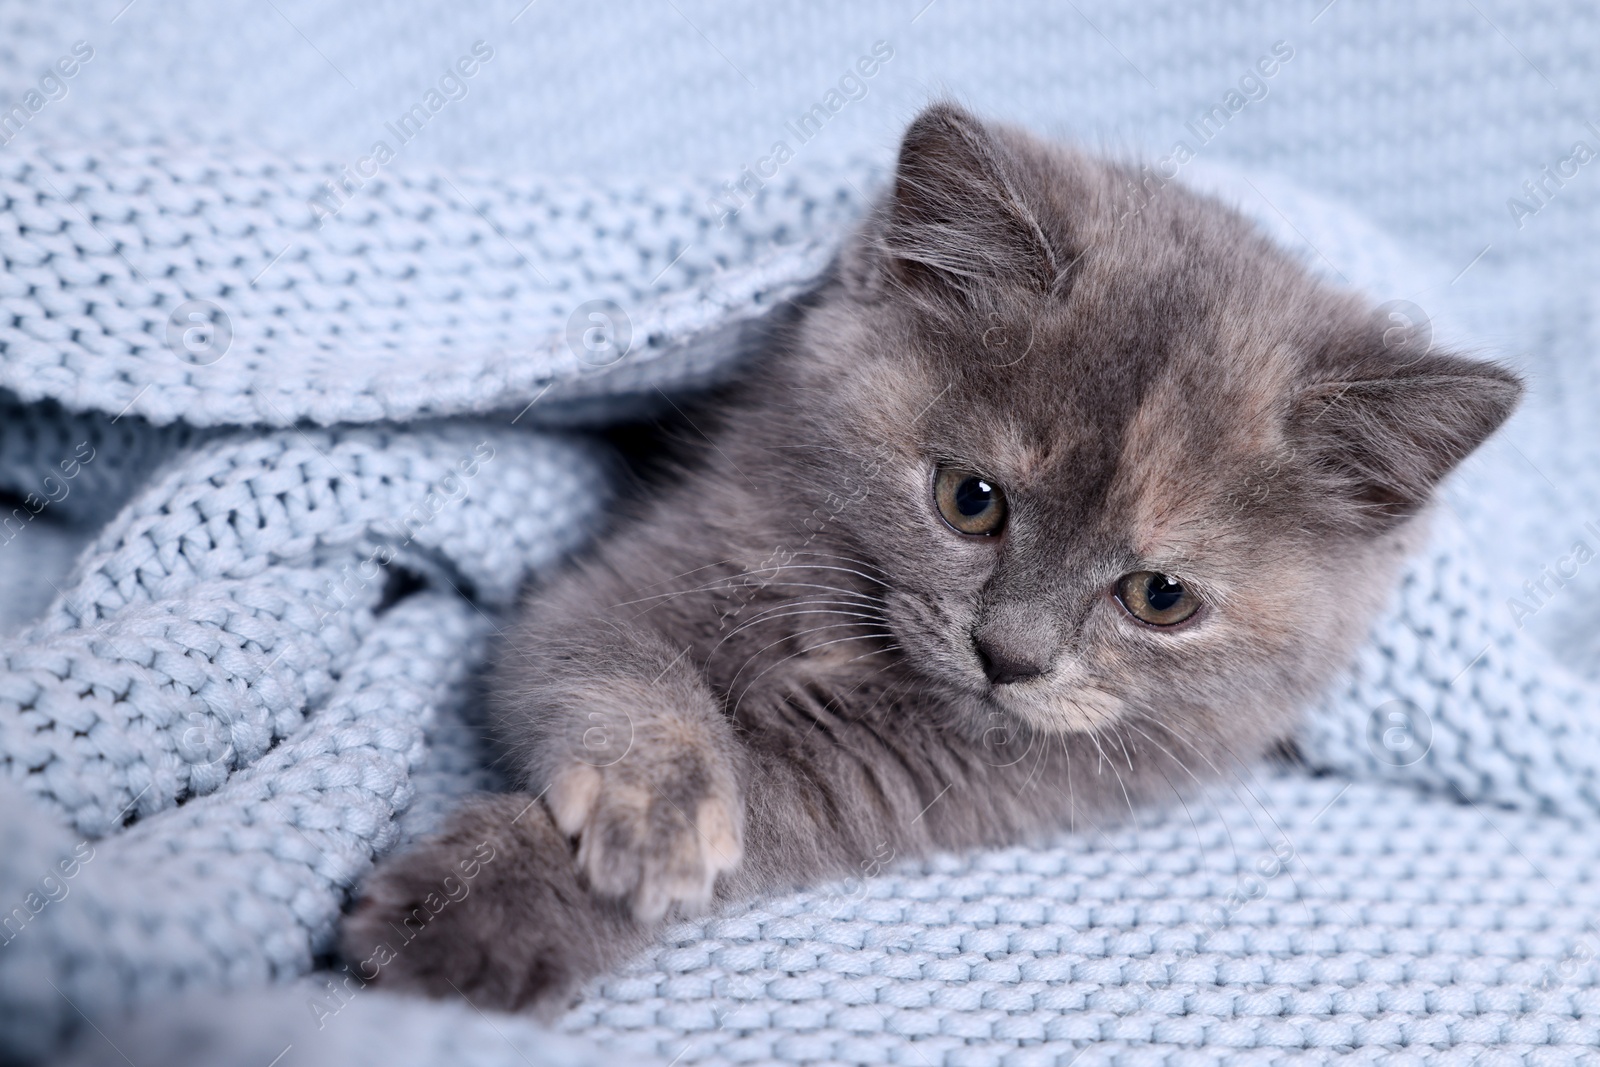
1055 709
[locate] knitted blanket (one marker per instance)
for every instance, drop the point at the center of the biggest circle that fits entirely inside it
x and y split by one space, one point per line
321 458
278 469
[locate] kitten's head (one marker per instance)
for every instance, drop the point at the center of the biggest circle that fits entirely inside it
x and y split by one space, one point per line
1118 465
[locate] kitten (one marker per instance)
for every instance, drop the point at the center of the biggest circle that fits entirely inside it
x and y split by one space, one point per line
1042 512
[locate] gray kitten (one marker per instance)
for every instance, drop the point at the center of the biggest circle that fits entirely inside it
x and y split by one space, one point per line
1044 510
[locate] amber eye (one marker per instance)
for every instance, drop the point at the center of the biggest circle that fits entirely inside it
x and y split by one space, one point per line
1157 599
969 503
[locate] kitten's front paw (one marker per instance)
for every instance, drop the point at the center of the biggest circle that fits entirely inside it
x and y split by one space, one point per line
655 830
492 910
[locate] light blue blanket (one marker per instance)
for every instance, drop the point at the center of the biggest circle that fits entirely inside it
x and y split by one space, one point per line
245 391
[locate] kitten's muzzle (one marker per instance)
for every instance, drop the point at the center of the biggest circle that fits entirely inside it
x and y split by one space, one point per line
1011 660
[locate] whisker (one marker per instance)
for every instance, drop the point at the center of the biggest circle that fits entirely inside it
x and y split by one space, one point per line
1249 769
768 616
839 640
1038 762
1283 835
694 570
758 586
1100 765
1232 844
845 559
791 637
824 567
1072 797
765 612
1132 815
1228 780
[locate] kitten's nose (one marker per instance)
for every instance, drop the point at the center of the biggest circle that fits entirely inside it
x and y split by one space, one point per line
1005 662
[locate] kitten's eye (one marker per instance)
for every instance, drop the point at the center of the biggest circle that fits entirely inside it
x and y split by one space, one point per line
968 503
1157 599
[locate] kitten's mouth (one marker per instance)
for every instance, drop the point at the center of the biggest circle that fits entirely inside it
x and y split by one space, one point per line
1050 703
1010 686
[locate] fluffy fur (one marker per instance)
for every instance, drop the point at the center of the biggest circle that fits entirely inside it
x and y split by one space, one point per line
771 675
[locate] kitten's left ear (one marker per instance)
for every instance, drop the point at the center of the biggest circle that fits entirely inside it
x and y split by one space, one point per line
958 217
1386 432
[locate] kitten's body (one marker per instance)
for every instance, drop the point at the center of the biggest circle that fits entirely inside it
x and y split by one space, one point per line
780 671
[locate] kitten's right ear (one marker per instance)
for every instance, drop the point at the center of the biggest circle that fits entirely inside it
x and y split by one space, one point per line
1382 434
958 219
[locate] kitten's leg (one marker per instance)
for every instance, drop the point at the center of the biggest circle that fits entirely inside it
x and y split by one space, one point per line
644 781
633 809
492 909
635 759
652 782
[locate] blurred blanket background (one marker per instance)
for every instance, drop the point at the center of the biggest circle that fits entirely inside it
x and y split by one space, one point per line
307 309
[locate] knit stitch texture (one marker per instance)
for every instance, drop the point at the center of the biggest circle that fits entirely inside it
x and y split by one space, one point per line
258 676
